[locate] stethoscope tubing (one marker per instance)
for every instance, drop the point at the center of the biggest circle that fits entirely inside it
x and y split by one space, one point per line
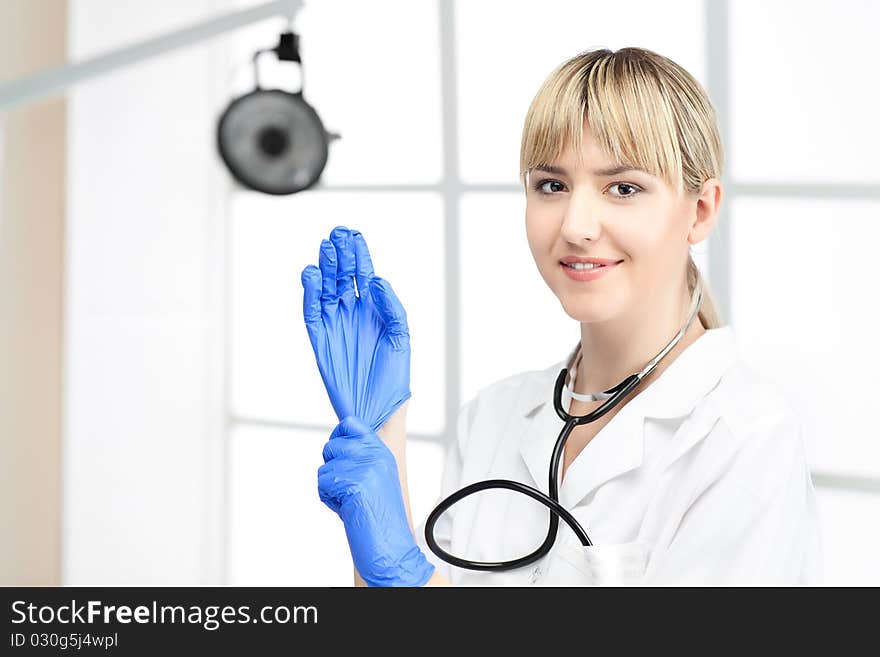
612 398
551 501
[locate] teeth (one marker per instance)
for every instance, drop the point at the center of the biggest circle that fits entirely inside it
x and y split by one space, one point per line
583 265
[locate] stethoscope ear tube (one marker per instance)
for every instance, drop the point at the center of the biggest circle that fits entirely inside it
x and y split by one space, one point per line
616 393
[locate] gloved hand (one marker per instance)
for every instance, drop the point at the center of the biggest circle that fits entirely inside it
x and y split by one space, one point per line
360 482
361 342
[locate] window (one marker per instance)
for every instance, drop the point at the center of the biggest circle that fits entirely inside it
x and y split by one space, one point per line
804 209
431 117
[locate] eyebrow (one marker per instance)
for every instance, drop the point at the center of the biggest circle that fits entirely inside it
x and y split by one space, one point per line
608 171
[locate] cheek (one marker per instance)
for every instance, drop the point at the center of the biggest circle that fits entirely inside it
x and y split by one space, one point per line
540 232
641 241
654 255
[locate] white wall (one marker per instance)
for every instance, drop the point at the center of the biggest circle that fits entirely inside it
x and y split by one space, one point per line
143 434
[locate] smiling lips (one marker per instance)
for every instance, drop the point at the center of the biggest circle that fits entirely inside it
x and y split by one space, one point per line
598 261
587 269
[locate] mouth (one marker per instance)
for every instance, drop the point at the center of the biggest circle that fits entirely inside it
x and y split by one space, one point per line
588 266
587 271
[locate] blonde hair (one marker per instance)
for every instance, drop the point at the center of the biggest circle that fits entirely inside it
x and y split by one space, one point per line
644 110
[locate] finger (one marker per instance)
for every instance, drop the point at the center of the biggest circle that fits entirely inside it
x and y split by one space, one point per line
328 265
363 263
390 309
311 282
342 447
345 263
329 452
338 476
328 485
351 427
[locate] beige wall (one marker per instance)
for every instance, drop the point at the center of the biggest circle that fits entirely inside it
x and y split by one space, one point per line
33 36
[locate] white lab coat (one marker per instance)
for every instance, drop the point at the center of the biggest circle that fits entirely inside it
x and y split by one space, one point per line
700 479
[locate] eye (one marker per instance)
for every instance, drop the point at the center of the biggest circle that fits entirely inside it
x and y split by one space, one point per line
626 186
539 186
626 190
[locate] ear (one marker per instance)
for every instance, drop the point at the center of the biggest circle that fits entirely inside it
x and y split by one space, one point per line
706 207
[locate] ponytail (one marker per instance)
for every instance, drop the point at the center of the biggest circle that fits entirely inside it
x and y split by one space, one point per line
708 312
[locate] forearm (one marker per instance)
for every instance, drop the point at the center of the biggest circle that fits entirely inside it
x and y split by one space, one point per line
393 434
438 580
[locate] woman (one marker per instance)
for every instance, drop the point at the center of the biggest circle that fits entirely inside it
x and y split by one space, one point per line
698 476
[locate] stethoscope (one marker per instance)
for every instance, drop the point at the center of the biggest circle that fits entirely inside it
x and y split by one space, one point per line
557 511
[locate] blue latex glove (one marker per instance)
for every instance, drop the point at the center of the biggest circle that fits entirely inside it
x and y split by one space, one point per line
360 482
361 341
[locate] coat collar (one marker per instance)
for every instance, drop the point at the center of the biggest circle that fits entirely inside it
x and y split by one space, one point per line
619 446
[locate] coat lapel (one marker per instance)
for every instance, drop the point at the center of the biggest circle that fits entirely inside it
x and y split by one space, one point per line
616 449
620 445
541 425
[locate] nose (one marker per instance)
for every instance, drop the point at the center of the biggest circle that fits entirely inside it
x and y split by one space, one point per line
581 220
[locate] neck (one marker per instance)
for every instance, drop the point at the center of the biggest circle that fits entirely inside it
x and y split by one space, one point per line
615 349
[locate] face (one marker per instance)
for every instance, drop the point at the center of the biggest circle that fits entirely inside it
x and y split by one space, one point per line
631 218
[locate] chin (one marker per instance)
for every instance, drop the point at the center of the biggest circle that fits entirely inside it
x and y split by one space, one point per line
588 309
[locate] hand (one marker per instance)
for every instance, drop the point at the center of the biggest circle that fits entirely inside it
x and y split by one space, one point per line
360 482
361 341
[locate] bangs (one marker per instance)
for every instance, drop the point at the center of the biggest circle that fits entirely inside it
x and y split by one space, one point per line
628 110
